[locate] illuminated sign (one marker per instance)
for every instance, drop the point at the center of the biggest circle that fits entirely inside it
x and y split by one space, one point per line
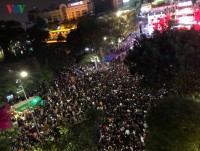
182 4
15 9
76 3
185 11
163 7
186 20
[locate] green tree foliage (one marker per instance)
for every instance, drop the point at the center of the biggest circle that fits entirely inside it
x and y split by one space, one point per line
10 72
91 30
135 3
10 31
84 34
7 138
53 25
37 36
86 58
168 59
74 41
78 136
130 22
40 70
174 125
41 23
49 58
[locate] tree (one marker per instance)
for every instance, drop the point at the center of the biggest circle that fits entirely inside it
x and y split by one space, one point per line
41 23
38 36
134 3
10 31
53 25
80 136
7 138
49 59
167 60
9 75
174 125
40 70
91 30
82 37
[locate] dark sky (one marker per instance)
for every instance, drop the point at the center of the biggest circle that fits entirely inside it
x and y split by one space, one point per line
29 4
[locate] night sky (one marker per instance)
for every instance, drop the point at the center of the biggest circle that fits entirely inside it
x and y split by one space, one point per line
29 4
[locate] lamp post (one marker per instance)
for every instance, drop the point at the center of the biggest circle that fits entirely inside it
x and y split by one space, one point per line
95 62
94 47
118 44
24 74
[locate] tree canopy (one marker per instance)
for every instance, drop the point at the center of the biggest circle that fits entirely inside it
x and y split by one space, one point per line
168 60
7 138
80 136
91 30
174 125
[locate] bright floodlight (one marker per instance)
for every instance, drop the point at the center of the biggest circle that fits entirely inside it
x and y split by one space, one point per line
118 13
104 38
87 49
125 1
23 74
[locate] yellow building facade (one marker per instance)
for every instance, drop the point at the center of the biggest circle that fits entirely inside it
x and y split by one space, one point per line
68 12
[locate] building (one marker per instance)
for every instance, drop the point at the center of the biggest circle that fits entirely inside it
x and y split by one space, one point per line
78 9
58 14
65 12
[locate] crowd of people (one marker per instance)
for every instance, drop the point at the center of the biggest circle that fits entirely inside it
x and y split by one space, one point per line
109 88
112 90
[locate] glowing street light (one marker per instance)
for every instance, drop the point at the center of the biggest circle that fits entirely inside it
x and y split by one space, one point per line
23 74
87 49
119 13
104 38
119 40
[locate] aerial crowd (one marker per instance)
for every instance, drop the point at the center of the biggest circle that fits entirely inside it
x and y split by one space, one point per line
112 90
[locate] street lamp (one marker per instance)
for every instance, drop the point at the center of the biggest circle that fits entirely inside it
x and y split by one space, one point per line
119 13
87 49
119 41
95 61
104 38
23 74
